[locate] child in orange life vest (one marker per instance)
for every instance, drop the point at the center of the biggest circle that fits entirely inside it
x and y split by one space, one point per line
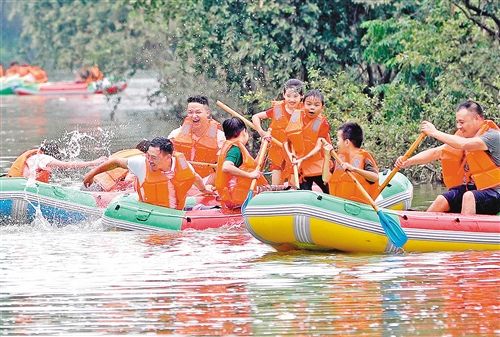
303 145
199 138
38 163
236 168
279 114
162 176
358 161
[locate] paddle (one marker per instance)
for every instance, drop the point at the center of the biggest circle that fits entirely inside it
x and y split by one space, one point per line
395 170
202 163
246 121
260 161
391 228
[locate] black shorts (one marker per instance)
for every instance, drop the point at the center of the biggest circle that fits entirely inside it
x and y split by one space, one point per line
487 201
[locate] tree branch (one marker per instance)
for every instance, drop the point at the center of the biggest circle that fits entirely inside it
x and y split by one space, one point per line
480 12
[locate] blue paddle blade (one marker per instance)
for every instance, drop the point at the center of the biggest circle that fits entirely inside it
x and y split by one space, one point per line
247 200
392 229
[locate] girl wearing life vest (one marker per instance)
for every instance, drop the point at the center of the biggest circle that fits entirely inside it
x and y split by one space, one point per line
199 138
162 177
236 168
39 163
480 140
303 133
280 113
356 160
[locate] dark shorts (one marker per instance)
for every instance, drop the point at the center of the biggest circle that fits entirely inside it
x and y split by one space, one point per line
307 183
487 201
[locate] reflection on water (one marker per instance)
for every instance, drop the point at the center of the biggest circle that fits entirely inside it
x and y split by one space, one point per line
82 279
221 282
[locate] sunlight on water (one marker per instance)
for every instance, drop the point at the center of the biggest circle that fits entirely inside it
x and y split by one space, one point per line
216 282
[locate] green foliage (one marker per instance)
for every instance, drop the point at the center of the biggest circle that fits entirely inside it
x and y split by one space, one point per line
70 34
252 44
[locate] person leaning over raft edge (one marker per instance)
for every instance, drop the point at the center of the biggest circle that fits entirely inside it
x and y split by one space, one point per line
162 176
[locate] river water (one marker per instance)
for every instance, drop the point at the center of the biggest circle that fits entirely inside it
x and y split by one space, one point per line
83 280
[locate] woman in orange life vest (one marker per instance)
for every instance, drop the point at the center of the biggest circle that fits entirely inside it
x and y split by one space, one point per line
355 159
199 138
39 163
280 113
480 141
304 131
89 75
162 176
235 166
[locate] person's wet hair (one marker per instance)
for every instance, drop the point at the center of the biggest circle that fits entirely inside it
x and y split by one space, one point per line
51 148
198 99
164 144
232 127
470 105
143 145
353 132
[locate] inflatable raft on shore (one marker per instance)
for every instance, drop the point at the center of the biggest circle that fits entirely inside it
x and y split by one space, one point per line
315 221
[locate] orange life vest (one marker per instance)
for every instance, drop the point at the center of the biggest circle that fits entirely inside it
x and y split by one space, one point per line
203 150
17 168
483 170
1 71
233 190
453 167
275 153
95 74
303 139
38 73
112 180
341 185
155 189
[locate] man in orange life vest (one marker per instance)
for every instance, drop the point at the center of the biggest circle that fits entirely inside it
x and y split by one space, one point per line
235 166
39 163
355 159
199 138
475 182
162 176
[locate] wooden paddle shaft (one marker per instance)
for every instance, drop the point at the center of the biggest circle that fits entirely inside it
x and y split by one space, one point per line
201 163
260 161
246 121
395 170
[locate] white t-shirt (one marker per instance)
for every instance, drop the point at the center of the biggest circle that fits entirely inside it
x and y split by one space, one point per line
36 162
137 165
221 138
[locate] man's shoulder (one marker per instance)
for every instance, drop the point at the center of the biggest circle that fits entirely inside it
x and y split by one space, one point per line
174 133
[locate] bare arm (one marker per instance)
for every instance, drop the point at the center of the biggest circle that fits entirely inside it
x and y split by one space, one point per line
109 164
316 149
458 142
256 122
228 167
421 158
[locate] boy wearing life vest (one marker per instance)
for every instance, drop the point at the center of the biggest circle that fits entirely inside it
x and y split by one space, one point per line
356 160
235 166
303 133
38 163
280 113
162 176
480 143
199 138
